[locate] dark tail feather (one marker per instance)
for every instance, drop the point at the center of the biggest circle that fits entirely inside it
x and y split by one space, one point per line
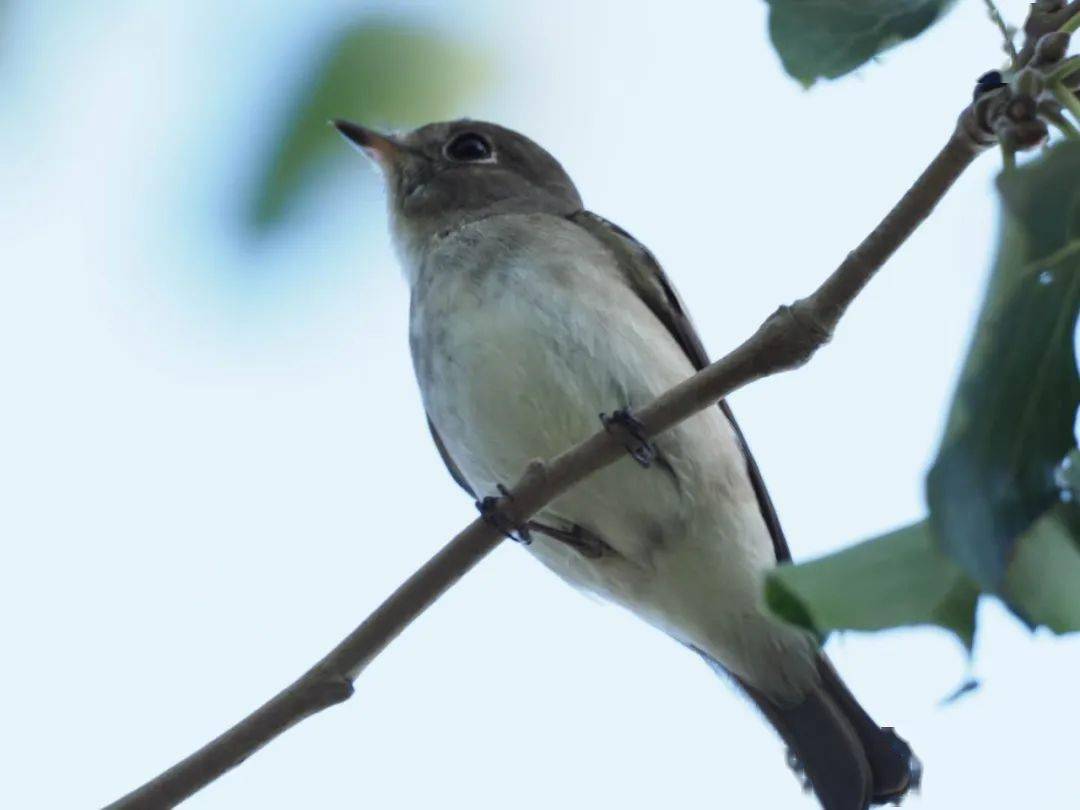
826 748
895 768
849 760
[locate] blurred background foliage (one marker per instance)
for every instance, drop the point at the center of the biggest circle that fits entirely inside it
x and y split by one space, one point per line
380 73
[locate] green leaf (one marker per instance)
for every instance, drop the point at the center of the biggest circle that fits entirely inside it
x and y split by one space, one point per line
894 580
377 74
825 39
1043 581
1012 418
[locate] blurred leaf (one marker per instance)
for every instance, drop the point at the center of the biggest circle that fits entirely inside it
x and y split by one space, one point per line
377 74
1043 581
824 39
1012 418
894 580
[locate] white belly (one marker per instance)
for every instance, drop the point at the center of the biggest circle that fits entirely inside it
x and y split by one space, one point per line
516 360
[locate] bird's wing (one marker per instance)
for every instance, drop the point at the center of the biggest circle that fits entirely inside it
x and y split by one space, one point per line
451 467
645 276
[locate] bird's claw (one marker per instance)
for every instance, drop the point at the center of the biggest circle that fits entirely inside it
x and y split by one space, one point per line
580 539
632 433
492 512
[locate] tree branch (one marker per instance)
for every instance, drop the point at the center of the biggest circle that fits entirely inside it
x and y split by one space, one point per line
786 340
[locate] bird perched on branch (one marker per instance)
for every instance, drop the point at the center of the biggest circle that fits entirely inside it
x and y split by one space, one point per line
530 316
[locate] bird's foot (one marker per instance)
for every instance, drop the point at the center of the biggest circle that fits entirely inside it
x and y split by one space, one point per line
632 433
490 508
578 538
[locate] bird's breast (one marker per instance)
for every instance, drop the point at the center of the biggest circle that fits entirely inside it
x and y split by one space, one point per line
519 352
520 341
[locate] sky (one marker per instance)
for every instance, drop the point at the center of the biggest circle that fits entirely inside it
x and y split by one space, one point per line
215 462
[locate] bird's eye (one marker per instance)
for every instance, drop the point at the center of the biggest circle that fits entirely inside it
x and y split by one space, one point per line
469 147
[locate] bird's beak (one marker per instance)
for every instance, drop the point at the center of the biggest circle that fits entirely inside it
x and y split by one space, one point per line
383 149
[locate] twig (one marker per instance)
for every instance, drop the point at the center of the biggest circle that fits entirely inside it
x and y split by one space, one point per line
1063 70
1006 34
1051 113
1072 25
1067 98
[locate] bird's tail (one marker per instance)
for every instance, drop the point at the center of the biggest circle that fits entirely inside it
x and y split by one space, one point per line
850 762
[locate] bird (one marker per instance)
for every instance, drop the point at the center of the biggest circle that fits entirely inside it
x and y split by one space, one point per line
532 322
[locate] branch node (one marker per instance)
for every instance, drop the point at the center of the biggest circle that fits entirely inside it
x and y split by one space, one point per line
793 333
327 689
536 472
1026 85
974 126
1050 49
1005 113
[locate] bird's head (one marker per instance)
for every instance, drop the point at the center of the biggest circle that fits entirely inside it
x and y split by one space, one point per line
444 175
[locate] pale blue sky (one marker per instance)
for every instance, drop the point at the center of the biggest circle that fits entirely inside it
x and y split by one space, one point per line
215 463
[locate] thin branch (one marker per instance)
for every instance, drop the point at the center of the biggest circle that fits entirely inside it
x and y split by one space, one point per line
1067 98
1064 69
1003 27
1052 113
1072 25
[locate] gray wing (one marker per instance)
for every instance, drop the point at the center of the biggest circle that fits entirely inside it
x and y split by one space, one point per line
645 276
444 454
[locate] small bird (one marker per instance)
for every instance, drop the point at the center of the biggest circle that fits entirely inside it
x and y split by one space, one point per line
529 316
